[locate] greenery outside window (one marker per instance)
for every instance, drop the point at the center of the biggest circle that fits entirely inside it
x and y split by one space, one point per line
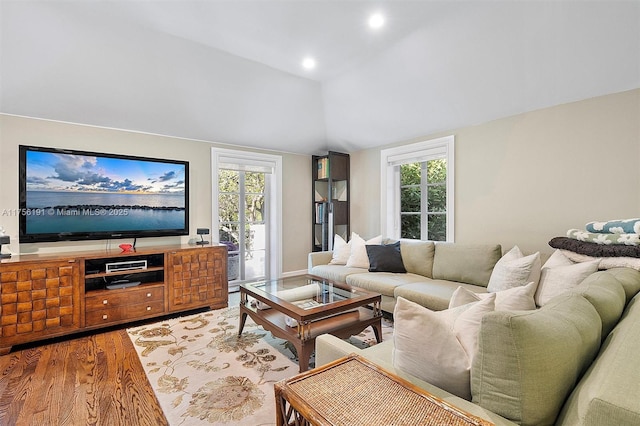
243 226
423 200
417 190
246 212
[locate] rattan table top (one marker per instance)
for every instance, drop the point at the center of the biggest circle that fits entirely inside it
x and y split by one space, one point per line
355 392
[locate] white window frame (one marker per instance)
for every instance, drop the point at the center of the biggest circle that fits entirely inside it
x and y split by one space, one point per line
390 180
253 161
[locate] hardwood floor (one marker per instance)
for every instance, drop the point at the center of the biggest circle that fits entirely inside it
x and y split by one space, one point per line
89 380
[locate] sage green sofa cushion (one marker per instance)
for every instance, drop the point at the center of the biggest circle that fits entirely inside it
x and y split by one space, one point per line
382 282
433 294
629 278
529 361
608 392
606 294
337 273
417 256
465 263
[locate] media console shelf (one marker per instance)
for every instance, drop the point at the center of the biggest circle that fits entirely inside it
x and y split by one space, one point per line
47 295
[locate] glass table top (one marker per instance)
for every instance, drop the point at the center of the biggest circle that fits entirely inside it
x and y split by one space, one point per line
306 292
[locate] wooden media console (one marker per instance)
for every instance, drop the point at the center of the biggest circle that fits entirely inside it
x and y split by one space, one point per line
51 295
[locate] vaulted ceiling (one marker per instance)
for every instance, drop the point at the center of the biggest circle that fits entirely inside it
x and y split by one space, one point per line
230 71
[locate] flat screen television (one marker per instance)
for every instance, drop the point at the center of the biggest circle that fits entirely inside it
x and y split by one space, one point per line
69 195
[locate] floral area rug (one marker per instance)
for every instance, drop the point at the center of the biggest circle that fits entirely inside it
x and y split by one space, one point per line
203 374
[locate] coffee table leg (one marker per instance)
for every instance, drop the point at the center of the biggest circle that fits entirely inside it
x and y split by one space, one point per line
304 353
243 319
377 330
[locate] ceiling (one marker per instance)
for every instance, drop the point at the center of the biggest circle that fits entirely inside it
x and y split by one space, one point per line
281 33
433 66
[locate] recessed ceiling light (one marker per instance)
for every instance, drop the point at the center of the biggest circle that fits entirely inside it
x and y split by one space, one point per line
376 20
309 63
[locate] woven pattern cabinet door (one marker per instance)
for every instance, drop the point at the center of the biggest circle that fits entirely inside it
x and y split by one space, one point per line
38 298
197 278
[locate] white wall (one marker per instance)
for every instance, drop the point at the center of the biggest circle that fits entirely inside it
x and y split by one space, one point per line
16 131
528 178
59 61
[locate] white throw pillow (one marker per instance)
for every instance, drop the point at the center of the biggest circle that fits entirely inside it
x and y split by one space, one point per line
560 275
558 259
438 347
514 270
514 299
341 251
358 257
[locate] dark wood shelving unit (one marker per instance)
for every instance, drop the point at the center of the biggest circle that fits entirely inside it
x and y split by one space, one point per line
330 194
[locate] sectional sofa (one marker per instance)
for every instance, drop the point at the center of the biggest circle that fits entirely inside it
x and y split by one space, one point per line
573 361
434 272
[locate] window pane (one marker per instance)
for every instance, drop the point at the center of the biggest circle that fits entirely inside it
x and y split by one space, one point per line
410 174
437 198
229 205
410 226
437 227
410 199
254 266
229 232
254 182
255 237
437 170
228 180
254 208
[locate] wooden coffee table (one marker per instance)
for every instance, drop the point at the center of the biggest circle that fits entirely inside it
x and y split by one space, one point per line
318 306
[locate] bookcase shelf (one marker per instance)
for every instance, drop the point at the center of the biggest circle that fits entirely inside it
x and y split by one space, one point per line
330 199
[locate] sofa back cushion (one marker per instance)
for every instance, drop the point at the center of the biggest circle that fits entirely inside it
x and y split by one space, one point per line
465 263
606 294
417 256
529 361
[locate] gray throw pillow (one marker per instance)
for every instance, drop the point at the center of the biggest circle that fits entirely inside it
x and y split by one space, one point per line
385 258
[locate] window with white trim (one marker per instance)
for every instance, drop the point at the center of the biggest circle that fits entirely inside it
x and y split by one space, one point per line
251 182
417 190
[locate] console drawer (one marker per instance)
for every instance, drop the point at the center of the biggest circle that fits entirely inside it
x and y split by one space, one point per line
124 312
116 298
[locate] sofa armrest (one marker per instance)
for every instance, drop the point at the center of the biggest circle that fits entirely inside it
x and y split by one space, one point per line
329 348
319 258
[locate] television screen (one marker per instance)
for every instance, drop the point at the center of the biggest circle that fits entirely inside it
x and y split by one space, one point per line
79 195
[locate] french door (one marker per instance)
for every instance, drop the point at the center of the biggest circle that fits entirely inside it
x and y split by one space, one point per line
243 223
246 208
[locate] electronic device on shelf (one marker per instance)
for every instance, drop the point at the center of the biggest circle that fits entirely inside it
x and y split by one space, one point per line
125 266
115 284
